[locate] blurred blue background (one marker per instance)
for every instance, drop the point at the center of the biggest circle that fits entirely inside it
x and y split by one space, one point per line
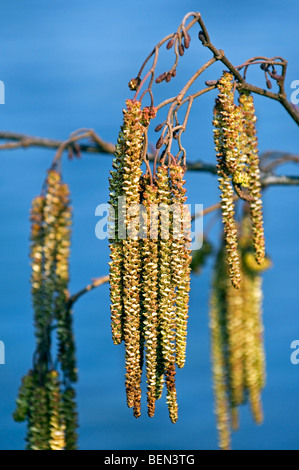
66 65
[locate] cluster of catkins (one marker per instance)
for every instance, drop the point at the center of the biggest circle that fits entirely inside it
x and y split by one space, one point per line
238 168
149 273
50 412
237 337
47 402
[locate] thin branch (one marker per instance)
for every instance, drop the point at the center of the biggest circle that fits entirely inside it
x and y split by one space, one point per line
95 283
25 141
102 147
279 180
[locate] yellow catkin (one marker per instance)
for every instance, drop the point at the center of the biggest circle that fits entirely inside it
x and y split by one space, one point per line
150 295
133 131
254 184
115 242
180 259
166 292
125 246
226 131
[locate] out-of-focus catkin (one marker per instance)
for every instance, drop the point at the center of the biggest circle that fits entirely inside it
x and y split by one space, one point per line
237 336
49 252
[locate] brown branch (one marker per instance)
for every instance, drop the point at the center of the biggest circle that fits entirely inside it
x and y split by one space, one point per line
99 281
103 147
279 180
25 141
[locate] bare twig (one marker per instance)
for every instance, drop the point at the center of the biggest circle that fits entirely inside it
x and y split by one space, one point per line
279 180
95 283
16 140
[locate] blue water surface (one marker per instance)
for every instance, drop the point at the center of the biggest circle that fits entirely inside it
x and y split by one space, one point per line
65 66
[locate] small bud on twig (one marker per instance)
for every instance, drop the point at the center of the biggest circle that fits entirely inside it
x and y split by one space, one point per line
211 82
159 127
170 43
181 49
161 77
269 84
173 73
159 143
201 37
187 39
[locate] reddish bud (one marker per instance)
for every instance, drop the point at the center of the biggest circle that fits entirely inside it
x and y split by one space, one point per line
168 77
161 77
159 143
159 127
173 73
269 84
181 49
187 39
170 43
70 154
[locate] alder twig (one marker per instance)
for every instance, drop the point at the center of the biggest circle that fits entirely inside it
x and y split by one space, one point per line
99 281
16 140
277 158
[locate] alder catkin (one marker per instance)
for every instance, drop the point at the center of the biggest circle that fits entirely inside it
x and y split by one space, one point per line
180 260
254 183
149 253
225 132
149 265
56 418
238 355
166 289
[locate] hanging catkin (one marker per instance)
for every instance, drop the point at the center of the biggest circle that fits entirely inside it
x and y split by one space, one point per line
149 253
254 184
166 289
125 264
180 259
238 168
226 133
40 395
56 418
149 264
237 337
